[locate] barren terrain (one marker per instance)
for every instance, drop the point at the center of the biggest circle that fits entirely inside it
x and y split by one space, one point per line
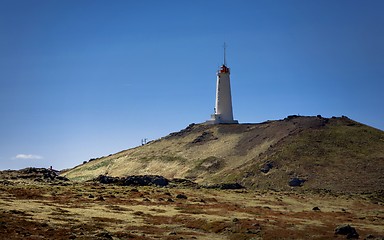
33 209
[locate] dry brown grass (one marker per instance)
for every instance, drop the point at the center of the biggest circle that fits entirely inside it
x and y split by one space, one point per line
32 211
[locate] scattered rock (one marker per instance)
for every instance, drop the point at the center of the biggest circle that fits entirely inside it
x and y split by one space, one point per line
138 213
231 186
370 236
91 196
204 137
182 132
104 235
347 230
100 198
13 211
181 196
296 182
266 167
316 209
291 117
253 231
6 182
182 182
225 186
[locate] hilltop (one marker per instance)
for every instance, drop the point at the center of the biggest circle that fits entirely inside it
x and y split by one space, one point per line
315 153
334 166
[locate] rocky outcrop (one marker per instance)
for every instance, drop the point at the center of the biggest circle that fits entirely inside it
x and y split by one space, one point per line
144 180
182 183
35 174
160 181
204 137
225 186
347 230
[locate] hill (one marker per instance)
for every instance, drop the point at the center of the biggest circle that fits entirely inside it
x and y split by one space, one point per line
331 154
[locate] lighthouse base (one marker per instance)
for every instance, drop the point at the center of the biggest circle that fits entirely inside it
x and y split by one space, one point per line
218 119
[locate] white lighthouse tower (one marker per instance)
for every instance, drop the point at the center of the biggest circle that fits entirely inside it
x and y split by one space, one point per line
223 106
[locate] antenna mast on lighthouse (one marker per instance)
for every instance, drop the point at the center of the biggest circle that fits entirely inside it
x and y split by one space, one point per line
225 53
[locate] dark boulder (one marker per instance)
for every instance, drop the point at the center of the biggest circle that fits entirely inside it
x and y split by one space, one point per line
347 230
231 186
104 235
100 198
266 167
316 209
296 182
181 196
225 186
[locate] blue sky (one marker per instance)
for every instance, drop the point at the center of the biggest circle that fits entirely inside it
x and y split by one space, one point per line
81 79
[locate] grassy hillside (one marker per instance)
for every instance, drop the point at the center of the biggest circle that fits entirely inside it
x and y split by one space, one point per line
333 154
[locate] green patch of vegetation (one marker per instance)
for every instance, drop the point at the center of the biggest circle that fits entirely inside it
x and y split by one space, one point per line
226 178
74 170
168 158
83 169
332 144
210 164
164 158
98 165
145 159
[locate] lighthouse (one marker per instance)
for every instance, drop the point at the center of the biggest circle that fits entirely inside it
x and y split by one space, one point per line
223 105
